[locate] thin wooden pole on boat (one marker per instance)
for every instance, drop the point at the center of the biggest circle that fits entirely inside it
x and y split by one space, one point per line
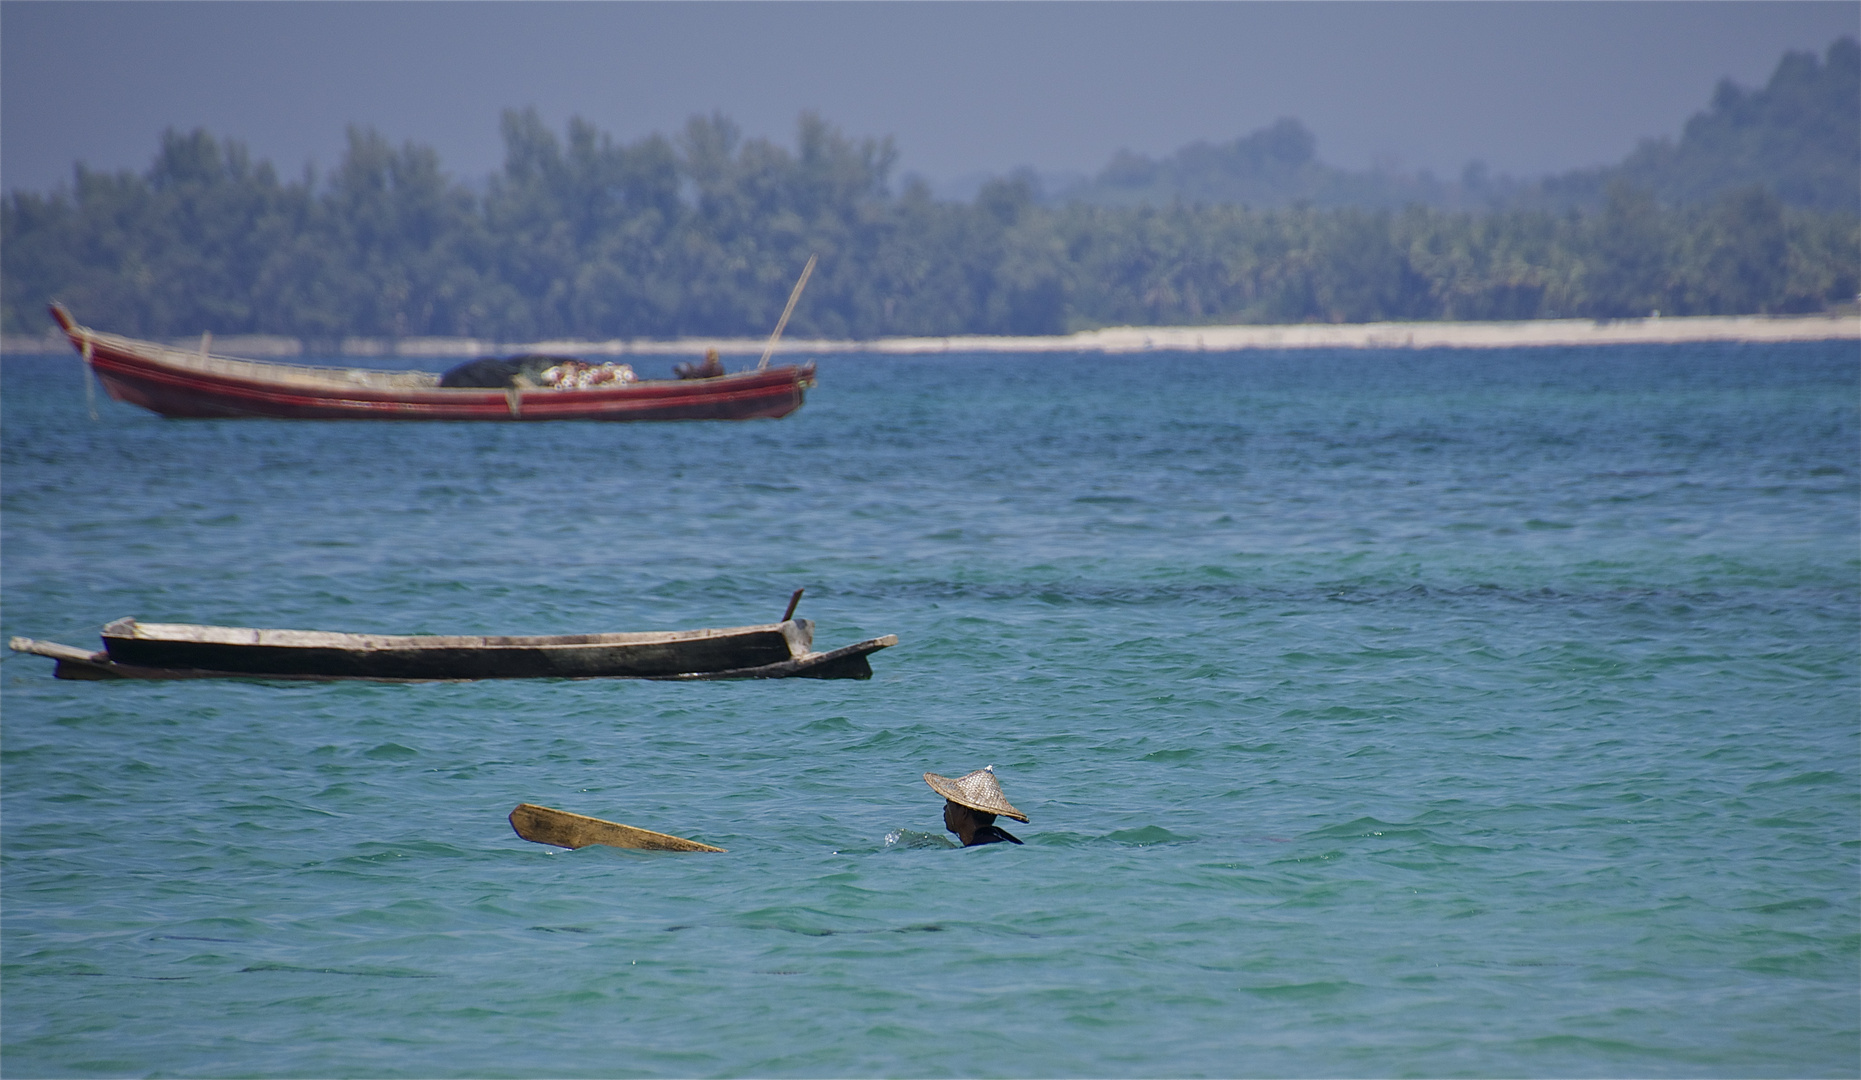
786 312
793 601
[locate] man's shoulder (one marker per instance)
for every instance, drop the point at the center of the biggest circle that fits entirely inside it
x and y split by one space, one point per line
995 834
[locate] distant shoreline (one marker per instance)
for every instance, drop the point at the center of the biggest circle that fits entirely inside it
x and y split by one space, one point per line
1121 339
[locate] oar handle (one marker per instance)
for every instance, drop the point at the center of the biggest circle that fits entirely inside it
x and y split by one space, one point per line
792 602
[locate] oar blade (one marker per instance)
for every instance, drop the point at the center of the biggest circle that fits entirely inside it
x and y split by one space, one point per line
559 828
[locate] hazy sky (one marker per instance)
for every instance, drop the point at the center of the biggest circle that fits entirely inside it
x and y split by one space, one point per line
963 87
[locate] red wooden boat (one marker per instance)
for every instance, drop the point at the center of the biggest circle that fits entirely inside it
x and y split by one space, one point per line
192 383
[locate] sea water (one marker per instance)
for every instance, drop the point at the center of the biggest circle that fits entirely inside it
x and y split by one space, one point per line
1377 713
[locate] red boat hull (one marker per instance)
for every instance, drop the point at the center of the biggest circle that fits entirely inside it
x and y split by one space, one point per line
170 382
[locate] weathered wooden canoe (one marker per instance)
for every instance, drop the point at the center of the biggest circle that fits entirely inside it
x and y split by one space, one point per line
559 828
192 383
138 650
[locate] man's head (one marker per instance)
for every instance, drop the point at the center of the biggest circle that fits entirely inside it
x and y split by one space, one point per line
962 820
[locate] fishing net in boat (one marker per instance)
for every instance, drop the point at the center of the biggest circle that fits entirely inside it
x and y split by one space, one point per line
577 375
526 372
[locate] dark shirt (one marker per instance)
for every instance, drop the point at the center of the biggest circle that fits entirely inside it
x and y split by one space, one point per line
991 834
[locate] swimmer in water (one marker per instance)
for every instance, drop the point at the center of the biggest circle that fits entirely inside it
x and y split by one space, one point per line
971 803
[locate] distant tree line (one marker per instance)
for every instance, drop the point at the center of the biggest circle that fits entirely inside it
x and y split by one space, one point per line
1799 136
703 234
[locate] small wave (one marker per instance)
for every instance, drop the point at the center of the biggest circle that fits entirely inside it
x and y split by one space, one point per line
1148 836
1300 991
391 751
1590 1043
1808 903
1365 827
1809 963
377 973
1801 780
906 839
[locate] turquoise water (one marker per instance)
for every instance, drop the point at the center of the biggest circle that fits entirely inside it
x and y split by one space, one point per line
1378 714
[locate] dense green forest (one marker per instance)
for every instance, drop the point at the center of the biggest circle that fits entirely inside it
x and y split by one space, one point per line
702 233
1799 136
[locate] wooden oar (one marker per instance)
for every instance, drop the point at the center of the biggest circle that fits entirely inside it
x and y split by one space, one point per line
542 825
786 312
792 602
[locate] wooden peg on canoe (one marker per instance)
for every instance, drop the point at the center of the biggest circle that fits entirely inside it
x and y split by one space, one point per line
793 602
542 825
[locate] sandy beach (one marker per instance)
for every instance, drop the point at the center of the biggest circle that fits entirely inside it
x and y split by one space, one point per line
1122 339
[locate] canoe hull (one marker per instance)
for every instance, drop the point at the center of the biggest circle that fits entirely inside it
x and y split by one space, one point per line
358 656
135 650
846 662
183 385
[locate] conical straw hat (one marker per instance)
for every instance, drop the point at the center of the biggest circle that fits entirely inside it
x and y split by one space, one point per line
978 791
